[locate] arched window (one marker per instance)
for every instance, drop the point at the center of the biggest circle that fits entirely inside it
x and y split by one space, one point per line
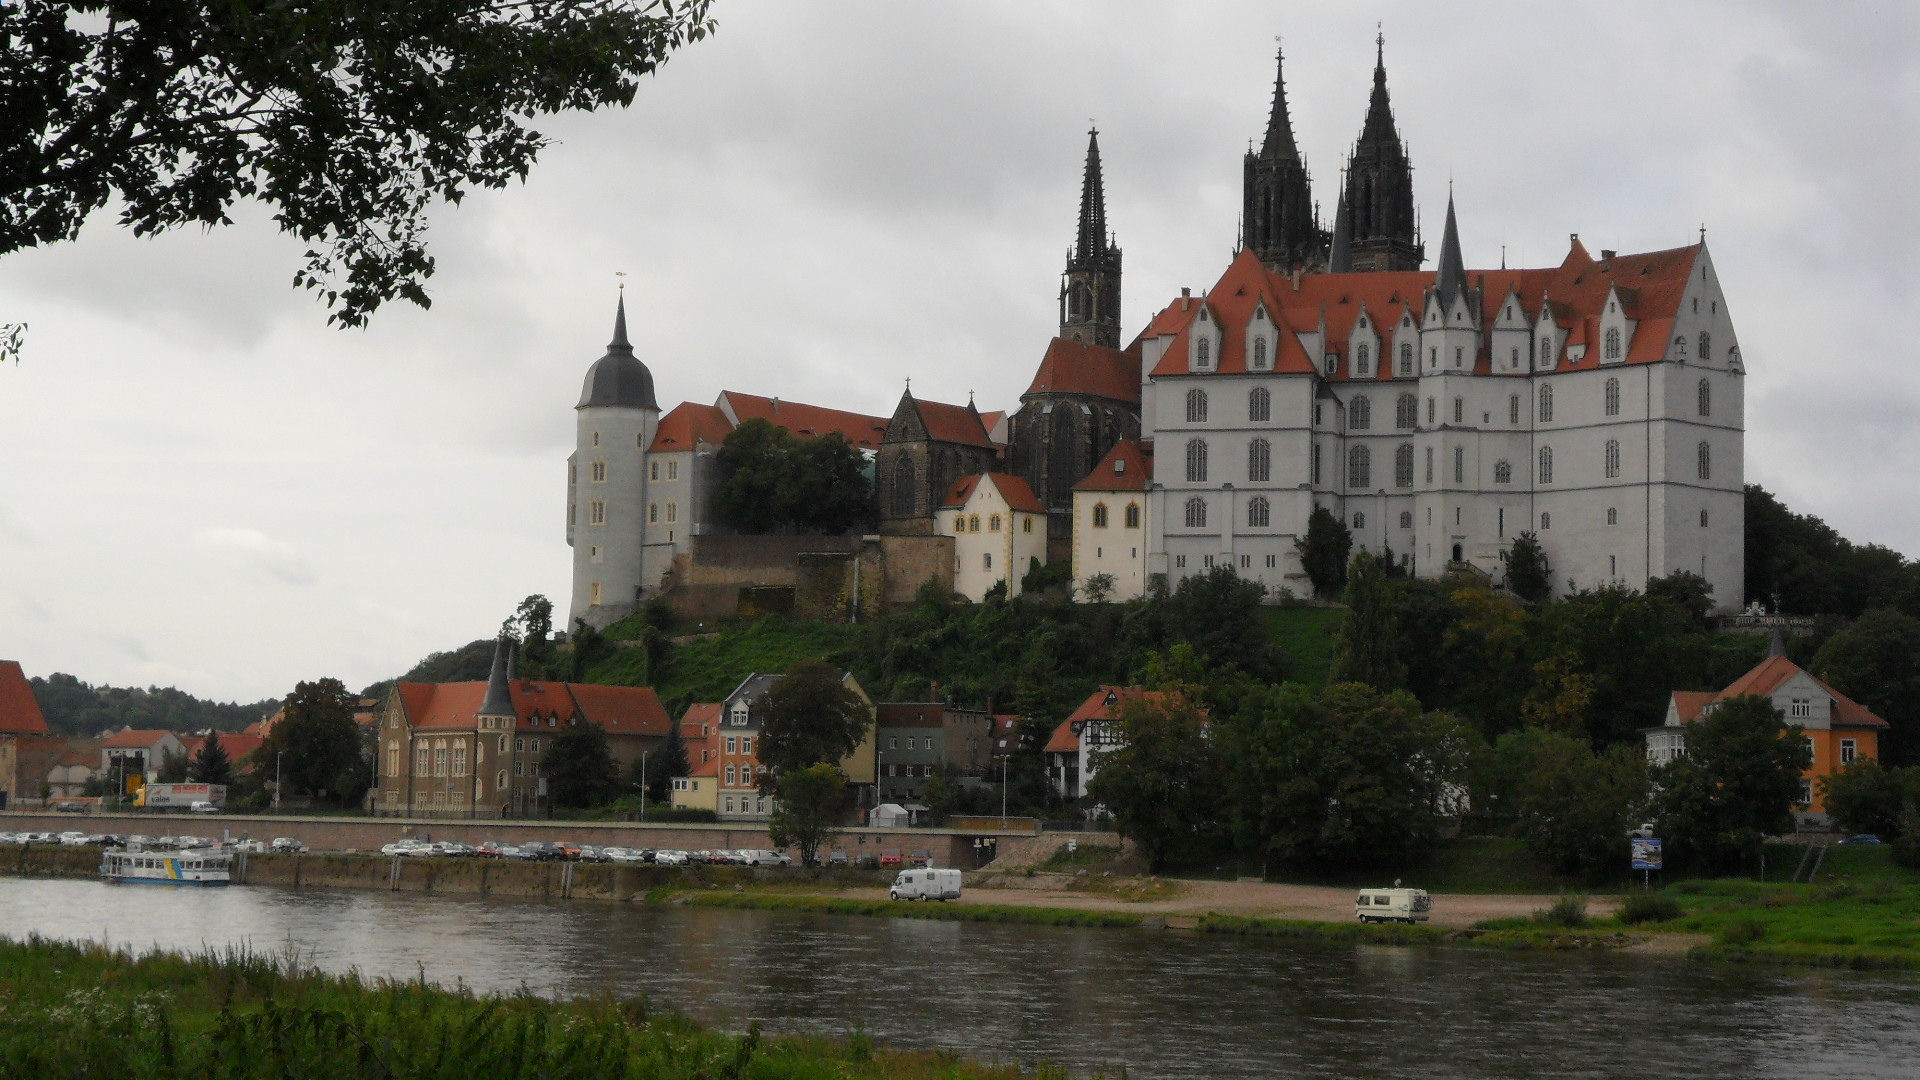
1363 359
1704 398
1406 519
1706 346
1133 515
1613 343
1546 522
1459 464
1546 351
1257 512
1359 468
1196 406
1429 410
1099 515
1403 465
1546 464
1259 460
1502 472
959 523
1359 414
1706 461
903 487
993 523
1613 458
973 523
1513 409
1197 460
1406 411
1613 515
1406 360
1359 519
1333 364
1203 353
1703 519
1259 405
1196 513
1459 410
1613 397
1260 353
1680 348
1546 404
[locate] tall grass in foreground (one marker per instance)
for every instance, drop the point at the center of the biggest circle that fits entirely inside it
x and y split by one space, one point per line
87 1011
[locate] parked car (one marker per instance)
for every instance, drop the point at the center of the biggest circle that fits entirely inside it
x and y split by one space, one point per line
69 808
767 857
890 858
543 850
73 838
251 847
920 858
1862 838
287 845
512 851
838 858
670 858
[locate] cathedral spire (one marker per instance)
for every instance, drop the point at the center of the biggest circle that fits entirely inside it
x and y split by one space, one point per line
1093 203
1379 186
1340 259
1279 141
1090 290
1452 278
1278 219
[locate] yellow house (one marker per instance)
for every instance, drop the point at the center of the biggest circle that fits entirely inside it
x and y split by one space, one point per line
999 529
1110 520
700 733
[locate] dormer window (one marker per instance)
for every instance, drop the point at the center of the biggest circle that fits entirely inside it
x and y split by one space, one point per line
1333 364
1120 467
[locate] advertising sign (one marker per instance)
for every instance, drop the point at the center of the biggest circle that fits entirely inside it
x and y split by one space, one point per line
1646 852
185 795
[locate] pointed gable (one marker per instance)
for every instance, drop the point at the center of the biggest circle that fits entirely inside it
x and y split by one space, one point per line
19 710
1077 367
1127 467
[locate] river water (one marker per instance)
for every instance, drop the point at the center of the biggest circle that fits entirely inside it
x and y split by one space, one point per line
1164 1004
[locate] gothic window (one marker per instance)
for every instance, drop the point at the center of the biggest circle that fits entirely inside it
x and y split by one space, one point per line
1429 464
959 523
1613 458
1406 411
599 472
1459 409
1099 515
1197 461
1513 361
1613 397
1613 516
1704 398
1546 404
1429 411
993 523
653 513
1316 464
1360 414
1546 351
596 512
673 512
1546 464
1196 406
1260 353
1363 359
1333 364
1705 455
973 523
1513 409
1133 515
1613 343
1064 466
1406 360
1502 472
903 487
1359 519
1546 522
1680 348
1459 464
1703 519
1259 460
1406 519
1359 468
1706 345
1259 405
1459 355
1203 353
1196 513
1403 465
1258 512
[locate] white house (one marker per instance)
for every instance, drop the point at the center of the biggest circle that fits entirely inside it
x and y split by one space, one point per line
1110 527
999 530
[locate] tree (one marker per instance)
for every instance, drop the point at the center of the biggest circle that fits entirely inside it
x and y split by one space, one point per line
581 772
1560 696
1687 592
811 718
1573 807
1098 588
1529 576
771 480
1876 661
173 767
211 764
807 803
1219 614
1366 648
532 626
321 742
664 764
1735 786
1161 784
1323 551
1866 797
828 490
349 120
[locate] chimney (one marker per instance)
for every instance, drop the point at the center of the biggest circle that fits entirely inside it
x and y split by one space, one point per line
1606 254
1186 297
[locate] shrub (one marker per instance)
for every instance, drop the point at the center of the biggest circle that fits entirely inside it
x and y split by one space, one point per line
1743 932
1569 911
1650 907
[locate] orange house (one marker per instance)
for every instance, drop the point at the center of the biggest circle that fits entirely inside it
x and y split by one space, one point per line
1839 730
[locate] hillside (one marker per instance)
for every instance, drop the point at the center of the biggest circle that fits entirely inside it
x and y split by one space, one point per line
73 707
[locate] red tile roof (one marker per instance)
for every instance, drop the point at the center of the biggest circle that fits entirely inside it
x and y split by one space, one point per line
134 738
622 710
1574 294
1688 703
687 425
1102 704
1016 492
1127 467
805 421
953 423
1065 740
1076 367
1767 677
19 711
996 424
909 714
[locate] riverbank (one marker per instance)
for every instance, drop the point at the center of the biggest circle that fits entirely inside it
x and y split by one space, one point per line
76 1010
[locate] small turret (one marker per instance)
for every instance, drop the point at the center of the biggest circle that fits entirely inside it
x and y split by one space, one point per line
1451 279
499 699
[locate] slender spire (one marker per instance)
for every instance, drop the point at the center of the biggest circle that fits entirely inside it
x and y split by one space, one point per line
1340 259
499 702
1379 125
1093 202
1279 141
1452 277
620 342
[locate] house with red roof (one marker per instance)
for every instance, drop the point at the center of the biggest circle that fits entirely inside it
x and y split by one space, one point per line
1839 731
27 748
1072 753
928 446
479 749
700 733
999 531
1110 527
132 753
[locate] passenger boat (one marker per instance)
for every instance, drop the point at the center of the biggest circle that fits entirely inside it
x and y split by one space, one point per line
199 867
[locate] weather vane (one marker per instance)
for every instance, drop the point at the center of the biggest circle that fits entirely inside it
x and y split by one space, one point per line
622 284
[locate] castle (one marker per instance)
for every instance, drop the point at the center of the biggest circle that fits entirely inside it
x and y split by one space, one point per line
1440 413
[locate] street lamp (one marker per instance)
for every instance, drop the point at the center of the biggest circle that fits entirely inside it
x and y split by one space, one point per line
643 786
278 756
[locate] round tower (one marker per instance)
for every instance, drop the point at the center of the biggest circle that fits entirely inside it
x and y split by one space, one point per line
607 482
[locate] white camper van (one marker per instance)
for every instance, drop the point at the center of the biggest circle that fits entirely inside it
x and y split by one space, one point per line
926 885
1393 905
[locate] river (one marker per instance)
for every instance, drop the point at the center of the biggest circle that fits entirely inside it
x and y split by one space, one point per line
1164 1004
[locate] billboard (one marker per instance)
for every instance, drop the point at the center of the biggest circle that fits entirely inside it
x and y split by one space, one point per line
1646 852
182 796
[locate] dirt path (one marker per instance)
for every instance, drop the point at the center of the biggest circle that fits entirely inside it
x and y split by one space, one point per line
1251 898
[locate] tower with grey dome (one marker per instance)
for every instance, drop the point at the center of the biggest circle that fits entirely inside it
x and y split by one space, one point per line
607 482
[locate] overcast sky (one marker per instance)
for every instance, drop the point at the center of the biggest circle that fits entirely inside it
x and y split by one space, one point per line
202 485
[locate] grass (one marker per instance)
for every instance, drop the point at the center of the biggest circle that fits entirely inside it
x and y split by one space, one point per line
87 1011
1305 635
709 668
759 900
1875 924
1473 865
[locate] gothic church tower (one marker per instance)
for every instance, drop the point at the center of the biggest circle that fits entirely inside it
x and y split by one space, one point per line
1377 201
607 481
1279 219
1090 289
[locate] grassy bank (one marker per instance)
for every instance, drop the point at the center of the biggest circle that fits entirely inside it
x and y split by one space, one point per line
899 909
92 1012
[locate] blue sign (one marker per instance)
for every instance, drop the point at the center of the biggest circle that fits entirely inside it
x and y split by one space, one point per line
1646 852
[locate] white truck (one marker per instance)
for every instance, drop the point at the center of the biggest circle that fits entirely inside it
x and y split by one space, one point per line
1393 905
926 885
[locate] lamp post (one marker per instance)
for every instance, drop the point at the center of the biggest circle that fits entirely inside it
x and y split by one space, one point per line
643 786
278 757
1004 758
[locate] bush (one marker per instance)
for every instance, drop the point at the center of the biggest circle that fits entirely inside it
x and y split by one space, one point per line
1906 846
1569 911
1743 932
1650 907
